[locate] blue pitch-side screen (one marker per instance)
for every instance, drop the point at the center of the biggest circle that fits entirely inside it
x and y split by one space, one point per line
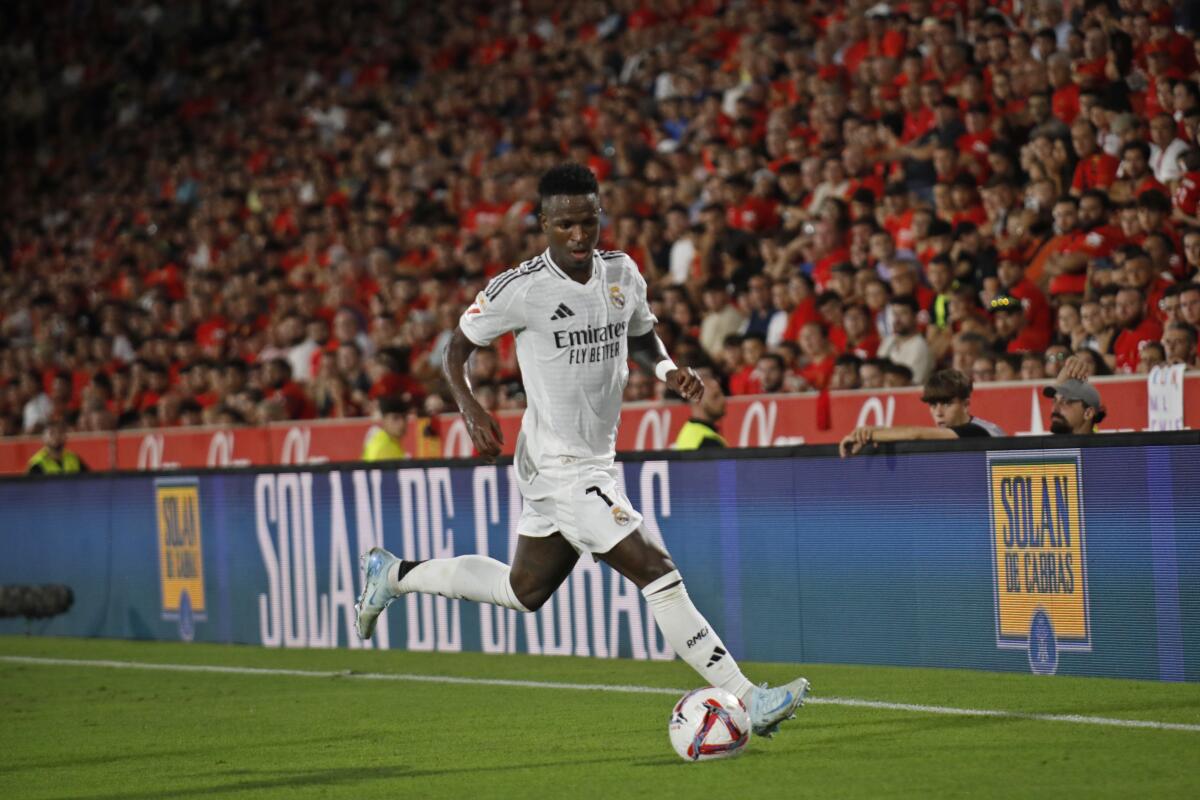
1070 561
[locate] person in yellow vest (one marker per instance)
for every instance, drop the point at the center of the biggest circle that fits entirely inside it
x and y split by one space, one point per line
387 443
700 431
54 458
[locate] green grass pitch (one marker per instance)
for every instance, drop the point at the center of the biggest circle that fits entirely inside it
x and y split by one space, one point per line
91 731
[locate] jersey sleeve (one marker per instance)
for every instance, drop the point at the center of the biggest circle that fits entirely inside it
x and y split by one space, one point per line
642 321
496 310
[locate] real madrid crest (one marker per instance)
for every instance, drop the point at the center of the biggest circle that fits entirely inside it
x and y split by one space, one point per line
620 515
616 295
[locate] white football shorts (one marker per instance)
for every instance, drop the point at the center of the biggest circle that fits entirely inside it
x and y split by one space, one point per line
580 498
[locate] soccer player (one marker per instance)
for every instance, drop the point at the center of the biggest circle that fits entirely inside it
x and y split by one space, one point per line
579 314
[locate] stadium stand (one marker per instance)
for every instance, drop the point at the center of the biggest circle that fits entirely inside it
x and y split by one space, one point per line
246 211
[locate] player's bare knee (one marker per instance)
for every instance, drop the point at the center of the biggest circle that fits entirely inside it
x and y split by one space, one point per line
533 599
529 591
656 567
646 572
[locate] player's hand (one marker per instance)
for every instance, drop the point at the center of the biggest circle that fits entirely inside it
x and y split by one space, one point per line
484 431
686 383
856 439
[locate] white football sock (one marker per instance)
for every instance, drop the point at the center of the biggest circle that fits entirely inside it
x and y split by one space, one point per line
478 578
692 637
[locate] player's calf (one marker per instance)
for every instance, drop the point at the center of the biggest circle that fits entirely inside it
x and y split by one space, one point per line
697 643
385 577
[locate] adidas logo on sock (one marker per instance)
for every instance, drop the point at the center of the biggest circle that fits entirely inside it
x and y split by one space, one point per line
562 312
718 654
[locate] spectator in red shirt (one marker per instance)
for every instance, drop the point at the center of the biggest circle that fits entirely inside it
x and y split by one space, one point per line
975 143
1099 236
1079 240
1186 197
1138 271
829 306
280 388
898 216
746 379
746 212
861 337
1012 330
860 173
771 370
1135 169
818 356
1039 321
845 372
1096 169
1135 327
827 252
1065 102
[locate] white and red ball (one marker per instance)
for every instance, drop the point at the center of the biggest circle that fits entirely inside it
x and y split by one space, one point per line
708 724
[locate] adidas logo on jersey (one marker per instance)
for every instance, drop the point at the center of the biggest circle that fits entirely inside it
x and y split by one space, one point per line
562 312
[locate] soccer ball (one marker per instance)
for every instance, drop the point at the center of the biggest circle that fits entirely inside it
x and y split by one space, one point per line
709 723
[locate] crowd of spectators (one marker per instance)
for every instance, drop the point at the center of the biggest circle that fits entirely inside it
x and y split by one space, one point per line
241 211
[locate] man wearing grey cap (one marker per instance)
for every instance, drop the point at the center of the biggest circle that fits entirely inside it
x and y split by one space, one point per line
1077 408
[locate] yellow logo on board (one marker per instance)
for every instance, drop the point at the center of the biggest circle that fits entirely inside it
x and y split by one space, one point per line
180 552
1039 548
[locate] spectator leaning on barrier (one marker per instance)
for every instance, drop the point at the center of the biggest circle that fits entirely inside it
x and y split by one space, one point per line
1077 408
948 395
700 431
387 443
54 458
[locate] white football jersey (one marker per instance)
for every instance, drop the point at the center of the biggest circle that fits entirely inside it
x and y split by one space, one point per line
571 346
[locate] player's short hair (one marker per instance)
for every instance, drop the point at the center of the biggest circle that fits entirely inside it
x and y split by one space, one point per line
906 300
945 385
571 178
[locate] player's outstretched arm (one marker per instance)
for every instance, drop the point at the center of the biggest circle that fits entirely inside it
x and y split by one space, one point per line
482 426
649 353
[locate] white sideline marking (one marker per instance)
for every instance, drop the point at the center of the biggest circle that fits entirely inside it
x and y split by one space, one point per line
1077 719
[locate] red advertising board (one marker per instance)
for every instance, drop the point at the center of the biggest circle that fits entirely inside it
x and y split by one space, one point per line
756 421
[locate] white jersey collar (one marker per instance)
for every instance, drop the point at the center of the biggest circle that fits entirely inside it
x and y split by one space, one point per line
560 272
